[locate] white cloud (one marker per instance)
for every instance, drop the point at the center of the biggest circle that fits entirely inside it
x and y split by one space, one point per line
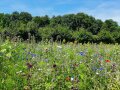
108 10
105 11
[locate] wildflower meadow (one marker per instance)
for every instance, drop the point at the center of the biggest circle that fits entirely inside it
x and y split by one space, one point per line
59 66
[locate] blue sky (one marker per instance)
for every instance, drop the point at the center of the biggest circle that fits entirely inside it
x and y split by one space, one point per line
101 9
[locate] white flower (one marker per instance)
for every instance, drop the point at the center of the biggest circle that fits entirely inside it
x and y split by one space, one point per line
39 69
59 47
72 78
19 72
97 73
80 62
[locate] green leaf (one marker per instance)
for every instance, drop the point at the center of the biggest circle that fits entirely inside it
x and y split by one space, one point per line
8 54
3 50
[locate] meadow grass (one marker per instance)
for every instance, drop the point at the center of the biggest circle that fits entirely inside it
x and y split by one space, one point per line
59 66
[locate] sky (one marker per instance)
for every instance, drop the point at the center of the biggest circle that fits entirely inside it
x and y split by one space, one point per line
100 9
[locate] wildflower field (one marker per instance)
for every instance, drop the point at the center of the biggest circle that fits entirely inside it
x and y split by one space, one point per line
59 66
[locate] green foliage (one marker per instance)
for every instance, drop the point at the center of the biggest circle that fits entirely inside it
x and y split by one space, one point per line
66 27
82 36
5 21
56 21
70 66
110 25
106 37
46 32
116 36
95 27
15 16
25 17
56 33
61 33
41 21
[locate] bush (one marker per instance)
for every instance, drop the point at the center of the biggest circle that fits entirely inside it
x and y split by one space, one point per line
61 33
95 39
105 37
116 36
57 33
46 32
83 36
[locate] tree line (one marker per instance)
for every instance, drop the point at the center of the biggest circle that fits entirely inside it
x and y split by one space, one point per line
78 27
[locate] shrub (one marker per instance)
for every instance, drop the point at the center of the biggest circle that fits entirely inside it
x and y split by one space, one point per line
83 36
56 33
105 37
116 36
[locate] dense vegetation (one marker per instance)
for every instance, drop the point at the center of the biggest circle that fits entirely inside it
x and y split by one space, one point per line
56 66
78 27
62 65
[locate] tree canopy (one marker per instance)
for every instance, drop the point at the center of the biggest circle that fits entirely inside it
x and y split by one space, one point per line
69 27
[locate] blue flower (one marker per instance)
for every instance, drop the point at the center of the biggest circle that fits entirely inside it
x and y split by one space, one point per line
33 55
82 53
101 68
95 68
29 52
95 55
100 58
46 60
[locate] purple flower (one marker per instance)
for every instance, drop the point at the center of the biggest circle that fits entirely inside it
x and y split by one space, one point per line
54 65
29 65
32 54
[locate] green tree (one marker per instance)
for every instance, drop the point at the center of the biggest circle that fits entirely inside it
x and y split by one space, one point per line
1 18
110 25
56 20
15 16
69 21
42 21
106 37
116 36
61 33
83 36
95 27
5 20
25 17
46 32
